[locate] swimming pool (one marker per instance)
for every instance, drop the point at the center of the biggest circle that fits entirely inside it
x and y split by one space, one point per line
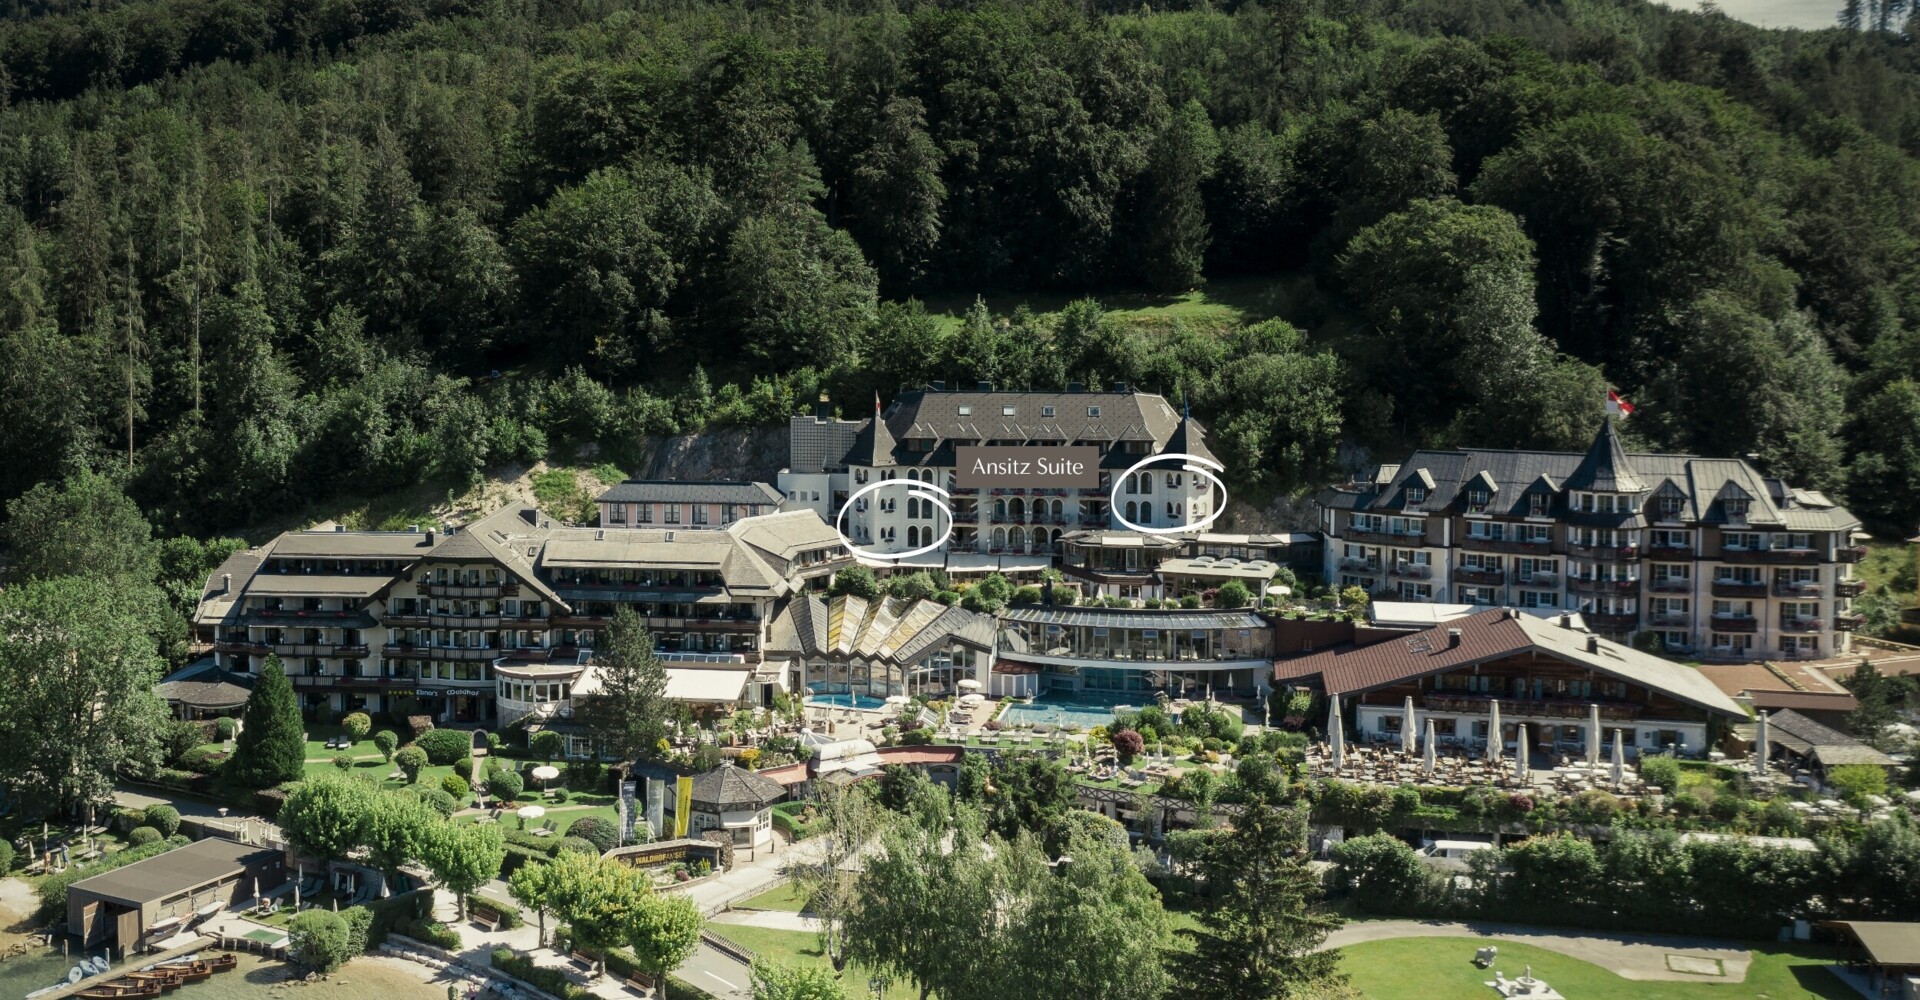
1059 711
865 703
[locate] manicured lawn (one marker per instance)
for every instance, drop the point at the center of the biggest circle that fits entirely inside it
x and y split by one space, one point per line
786 896
803 948
1443 969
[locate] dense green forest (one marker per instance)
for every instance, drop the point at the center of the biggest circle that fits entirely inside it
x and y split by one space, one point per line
259 253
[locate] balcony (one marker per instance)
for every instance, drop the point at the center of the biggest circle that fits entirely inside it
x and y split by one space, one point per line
1479 577
288 649
1360 565
1612 621
1770 556
1606 553
1669 551
1849 588
1476 704
1537 580
1850 553
1797 588
1803 625
343 680
478 591
1586 585
1848 621
1671 585
1670 619
1411 571
1354 531
1732 623
442 652
1738 588
1480 543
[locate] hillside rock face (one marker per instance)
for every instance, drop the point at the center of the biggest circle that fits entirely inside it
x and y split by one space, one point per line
749 453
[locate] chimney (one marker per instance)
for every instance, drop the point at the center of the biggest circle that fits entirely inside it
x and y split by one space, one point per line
226 583
1593 644
823 408
986 387
430 534
600 535
1566 621
1453 637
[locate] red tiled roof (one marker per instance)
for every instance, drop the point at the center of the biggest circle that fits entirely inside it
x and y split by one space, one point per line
787 774
1488 635
920 755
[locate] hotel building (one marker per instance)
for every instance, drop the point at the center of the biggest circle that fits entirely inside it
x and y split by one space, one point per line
1709 556
1010 530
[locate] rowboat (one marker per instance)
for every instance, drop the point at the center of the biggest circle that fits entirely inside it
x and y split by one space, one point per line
167 981
189 972
119 988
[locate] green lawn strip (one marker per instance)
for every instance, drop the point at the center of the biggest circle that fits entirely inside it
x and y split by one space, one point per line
803 948
1443 969
786 896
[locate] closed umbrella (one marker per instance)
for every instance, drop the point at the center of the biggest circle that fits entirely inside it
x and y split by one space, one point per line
1494 743
1619 761
1593 735
1336 736
1520 755
1427 764
1407 735
1760 748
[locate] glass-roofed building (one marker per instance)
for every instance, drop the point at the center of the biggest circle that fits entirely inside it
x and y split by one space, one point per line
1114 651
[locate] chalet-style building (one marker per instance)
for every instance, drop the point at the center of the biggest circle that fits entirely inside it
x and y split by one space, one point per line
1543 672
688 505
1137 565
421 622
1114 653
1008 530
1711 556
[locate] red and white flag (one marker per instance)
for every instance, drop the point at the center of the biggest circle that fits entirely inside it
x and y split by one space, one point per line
1618 407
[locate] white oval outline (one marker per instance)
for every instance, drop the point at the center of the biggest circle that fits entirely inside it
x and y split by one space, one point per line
1113 494
915 488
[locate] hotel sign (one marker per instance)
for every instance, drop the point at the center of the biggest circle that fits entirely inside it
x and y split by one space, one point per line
1016 467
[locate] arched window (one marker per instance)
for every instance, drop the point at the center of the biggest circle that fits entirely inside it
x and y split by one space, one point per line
1000 508
999 538
1017 508
1133 509
913 538
1017 539
1146 482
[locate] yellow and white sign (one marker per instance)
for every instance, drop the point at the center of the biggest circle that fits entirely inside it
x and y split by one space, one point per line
683 806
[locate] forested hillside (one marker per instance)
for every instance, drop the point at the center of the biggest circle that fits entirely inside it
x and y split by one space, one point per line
257 253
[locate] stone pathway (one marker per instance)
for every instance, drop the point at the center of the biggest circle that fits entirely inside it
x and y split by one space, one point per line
1631 956
778 920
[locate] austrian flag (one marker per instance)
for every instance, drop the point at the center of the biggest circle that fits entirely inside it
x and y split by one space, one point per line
1617 406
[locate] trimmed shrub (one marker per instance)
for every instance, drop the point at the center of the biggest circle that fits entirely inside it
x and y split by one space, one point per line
163 818
436 799
343 762
359 921
357 725
386 741
223 728
575 844
435 933
457 787
446 746
604 836
319 940
505 786
548 980
1662 771
202 760
558 795
411 759
143 835
127 819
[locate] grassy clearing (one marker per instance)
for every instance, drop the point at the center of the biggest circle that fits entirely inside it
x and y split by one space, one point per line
803 948
1220 305
1443 969
785 896
1889 563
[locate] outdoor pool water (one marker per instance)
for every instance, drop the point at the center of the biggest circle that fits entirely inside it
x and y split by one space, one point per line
865 703
1059 710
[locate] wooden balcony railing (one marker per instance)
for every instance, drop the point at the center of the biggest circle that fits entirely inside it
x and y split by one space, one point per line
1729 623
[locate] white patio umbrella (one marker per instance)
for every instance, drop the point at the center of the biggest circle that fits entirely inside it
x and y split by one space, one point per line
1520 755
1760 748
1427 763
1336 737
1619 761
969 684
545 773
1407 735
529 812
1494 743
1593 735
897 699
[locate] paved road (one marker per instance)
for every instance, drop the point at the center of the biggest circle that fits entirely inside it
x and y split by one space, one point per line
718 973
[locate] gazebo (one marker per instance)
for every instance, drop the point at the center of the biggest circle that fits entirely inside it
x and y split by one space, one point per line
737 801
203 691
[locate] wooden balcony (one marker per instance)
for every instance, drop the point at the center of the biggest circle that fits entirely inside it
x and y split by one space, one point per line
1725 623
1383 535
1671 585
1805 557
1480 577
1537 580
1583 585
1850 553
1411 571
303 649
1670 620
1803 626
1606 553
1611 621
1670 551
1738 588
1513 546
1849 588
479 591
1476 704
462 653
1848 621
1797 588
1366 566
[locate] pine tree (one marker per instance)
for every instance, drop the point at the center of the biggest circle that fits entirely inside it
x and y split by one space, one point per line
271 747
629 715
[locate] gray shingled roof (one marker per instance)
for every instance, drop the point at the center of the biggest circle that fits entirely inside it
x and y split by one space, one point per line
1823 743
728 787
1605 467
1068 417
173 872
679 491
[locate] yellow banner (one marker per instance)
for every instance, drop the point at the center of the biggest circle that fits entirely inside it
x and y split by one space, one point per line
683 806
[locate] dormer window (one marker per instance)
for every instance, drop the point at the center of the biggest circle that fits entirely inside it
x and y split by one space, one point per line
1046 411
1537 504
1477 499
1671 506
966 411
1736 508
1007 411
1093 411
1416 495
